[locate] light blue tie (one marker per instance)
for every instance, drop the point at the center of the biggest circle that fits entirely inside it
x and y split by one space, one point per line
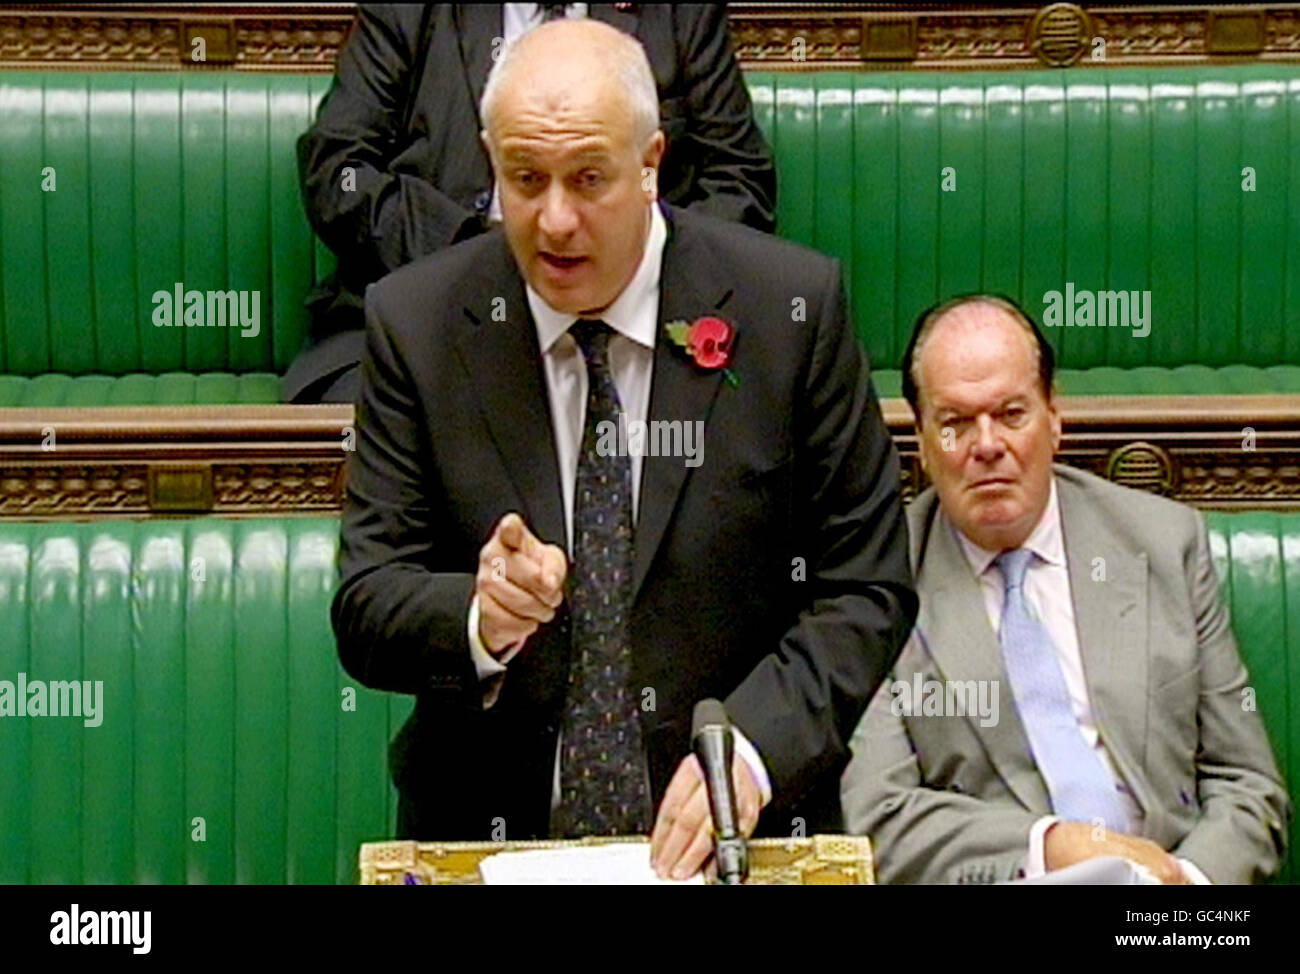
1081 787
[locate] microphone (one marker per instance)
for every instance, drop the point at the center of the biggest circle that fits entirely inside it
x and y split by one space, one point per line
712 744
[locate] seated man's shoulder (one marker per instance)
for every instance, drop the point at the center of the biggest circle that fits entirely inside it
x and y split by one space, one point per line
1151 520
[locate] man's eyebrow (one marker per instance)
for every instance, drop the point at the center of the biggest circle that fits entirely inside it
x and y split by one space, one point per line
517 155
1014 398
525 153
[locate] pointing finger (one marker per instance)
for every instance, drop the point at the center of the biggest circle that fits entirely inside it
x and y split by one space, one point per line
511 531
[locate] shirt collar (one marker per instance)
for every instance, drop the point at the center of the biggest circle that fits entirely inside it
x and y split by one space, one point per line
634 313
1045 540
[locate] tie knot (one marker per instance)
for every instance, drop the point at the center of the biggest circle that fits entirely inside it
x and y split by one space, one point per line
592 336
1014 564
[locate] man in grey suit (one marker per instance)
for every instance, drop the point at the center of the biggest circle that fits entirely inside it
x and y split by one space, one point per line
1090 612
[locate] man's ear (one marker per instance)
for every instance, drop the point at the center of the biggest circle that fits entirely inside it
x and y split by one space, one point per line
650 159
920 446
654 149
920 438
1054 418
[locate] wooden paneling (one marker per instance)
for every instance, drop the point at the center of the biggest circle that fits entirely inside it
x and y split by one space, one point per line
797 36
1225 452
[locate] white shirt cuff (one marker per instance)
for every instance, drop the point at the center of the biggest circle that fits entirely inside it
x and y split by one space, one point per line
1036 863
1197 877
749 754
485 664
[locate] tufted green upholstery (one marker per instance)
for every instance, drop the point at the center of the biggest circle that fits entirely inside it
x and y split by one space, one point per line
223 697
159 178
1107 178
1257 556
139 389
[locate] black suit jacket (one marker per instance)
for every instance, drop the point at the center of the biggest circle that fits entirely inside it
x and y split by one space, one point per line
403 112
773 576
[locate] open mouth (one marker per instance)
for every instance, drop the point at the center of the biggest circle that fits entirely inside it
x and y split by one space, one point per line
560 262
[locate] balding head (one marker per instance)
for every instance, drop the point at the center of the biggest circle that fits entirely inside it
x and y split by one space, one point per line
571 118
564 58
973 310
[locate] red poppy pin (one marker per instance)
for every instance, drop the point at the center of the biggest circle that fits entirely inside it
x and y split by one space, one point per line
708 341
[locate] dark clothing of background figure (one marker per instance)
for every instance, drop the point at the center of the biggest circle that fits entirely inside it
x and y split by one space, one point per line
403 112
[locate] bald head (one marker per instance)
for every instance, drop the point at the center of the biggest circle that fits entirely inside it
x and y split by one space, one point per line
565 64
973 313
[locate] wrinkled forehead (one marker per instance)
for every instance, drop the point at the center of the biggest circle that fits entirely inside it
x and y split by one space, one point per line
563 104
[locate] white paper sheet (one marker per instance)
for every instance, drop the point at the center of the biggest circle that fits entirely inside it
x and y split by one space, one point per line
614 864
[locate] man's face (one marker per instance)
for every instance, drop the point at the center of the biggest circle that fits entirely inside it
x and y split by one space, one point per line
988 434
574 201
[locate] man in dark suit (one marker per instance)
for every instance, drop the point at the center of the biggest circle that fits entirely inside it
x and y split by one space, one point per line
393 168
559 592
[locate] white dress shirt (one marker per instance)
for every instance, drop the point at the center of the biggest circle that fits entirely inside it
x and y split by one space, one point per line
634 319
518 19
1047 598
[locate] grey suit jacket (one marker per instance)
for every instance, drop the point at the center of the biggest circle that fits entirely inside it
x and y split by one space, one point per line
948 800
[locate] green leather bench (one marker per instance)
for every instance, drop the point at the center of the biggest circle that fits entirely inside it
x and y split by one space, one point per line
158 179
223 699
1111 179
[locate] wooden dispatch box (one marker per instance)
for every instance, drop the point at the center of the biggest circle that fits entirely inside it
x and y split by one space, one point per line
819 860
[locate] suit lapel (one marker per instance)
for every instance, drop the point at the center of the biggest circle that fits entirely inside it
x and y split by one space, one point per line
1108 587
958 637
481 25
505 366
690 285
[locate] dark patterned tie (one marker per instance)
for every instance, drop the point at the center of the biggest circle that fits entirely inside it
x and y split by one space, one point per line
603 780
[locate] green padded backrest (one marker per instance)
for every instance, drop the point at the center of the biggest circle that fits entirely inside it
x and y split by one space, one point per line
1109 178
223 700
1257 556
158 179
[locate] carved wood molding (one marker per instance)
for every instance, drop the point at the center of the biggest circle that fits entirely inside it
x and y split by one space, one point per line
822 860
183 460
1227 452
925 36
797 36
252 37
